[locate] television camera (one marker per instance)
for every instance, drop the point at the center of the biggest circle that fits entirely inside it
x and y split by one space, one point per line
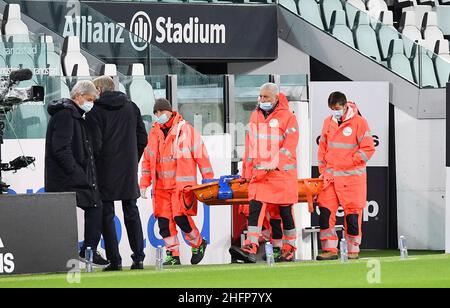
10 97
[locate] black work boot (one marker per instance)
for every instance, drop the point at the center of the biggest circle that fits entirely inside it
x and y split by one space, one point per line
327 256
171 259
199 253
246 253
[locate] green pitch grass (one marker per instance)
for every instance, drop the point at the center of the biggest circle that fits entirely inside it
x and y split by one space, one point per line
422 269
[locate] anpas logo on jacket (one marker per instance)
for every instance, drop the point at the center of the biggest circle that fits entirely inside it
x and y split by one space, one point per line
6 261
141 31
347 131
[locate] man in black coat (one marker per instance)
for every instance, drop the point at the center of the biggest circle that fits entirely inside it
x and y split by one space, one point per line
69 161
120 139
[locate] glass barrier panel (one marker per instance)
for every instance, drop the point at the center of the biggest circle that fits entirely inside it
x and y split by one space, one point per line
28 120
442 64
295 87
246 99
24 118
99 36
201 102
144 91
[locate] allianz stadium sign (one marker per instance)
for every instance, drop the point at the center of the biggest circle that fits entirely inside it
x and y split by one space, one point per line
185 31
140 32
117 30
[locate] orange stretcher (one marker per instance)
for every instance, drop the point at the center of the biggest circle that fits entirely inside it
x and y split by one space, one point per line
209 193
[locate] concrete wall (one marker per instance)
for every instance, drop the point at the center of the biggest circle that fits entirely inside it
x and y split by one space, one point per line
290 61
421 180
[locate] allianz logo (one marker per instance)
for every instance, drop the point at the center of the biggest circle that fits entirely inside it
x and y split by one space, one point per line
7 265
166 30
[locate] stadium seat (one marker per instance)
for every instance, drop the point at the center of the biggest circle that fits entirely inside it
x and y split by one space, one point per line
328 7
398 62
386 19
351 7
427 2
141 93
64 90
375 7
309 10
443 17
403 3
48 56
442 62
431 31
365 38
386 33
290 5
419 11
339 28
13 27
111 70
409 31
426 74
73 62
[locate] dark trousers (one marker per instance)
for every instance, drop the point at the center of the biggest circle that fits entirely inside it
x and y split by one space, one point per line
134 231
92 227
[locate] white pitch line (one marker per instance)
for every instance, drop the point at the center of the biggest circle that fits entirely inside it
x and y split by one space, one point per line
220 268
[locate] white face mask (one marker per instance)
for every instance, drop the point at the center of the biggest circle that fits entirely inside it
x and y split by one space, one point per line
87 106
163 119
266 106
338 114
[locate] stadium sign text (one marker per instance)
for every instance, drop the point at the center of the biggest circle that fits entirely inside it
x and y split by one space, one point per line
6 261
141 31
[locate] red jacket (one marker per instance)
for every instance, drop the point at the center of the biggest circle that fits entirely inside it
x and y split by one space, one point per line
171 163
347 147
343 153
272 145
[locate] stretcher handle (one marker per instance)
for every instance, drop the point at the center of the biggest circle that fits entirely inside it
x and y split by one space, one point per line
231 202
241 181
309 196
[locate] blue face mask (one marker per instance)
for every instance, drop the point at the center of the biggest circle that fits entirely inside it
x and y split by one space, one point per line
338 114
266 106
87 106
163 119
